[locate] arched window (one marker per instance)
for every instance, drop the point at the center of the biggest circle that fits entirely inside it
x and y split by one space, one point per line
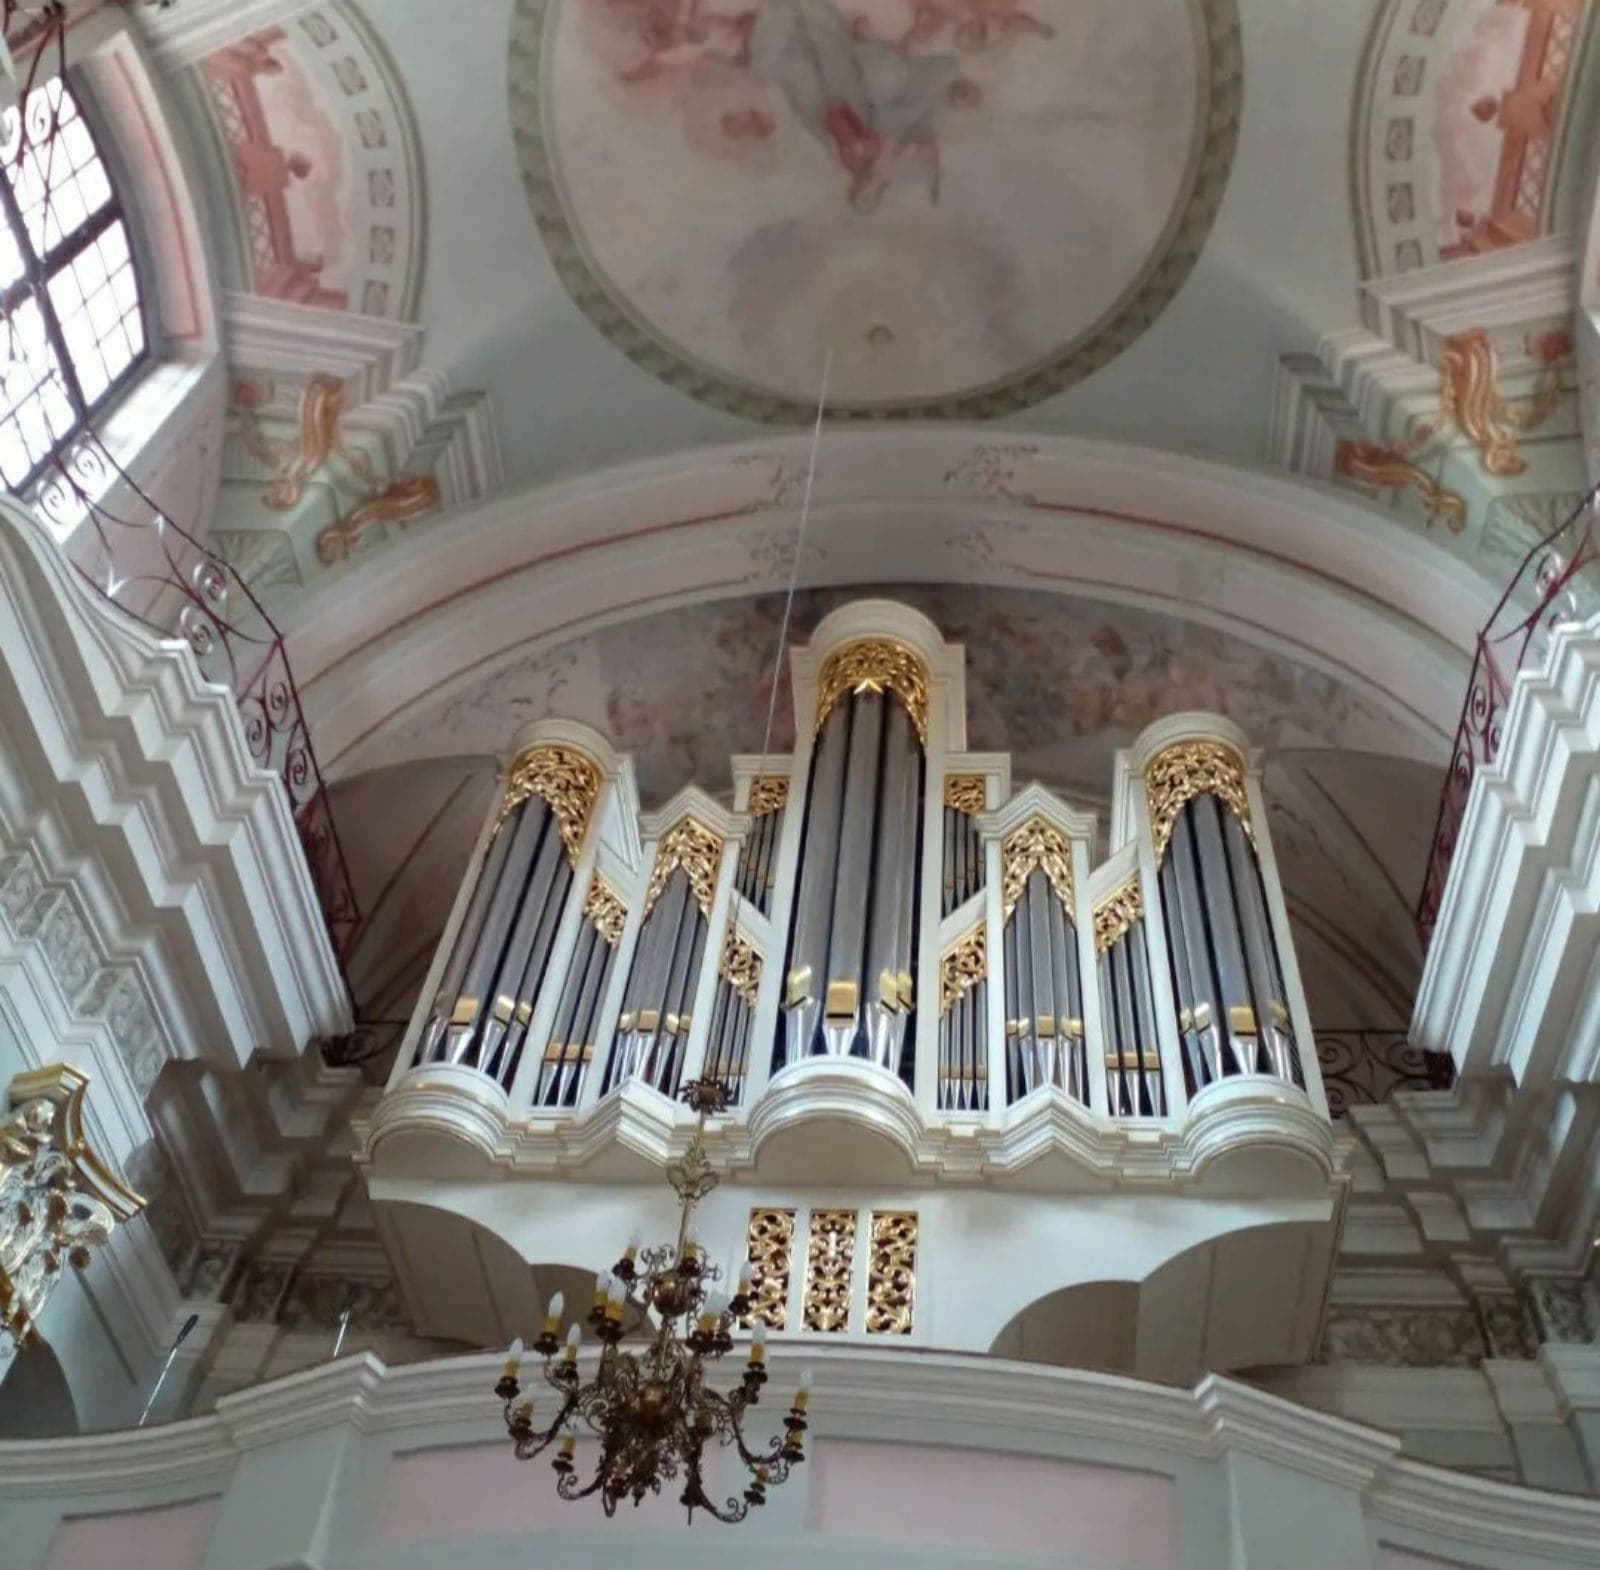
72 330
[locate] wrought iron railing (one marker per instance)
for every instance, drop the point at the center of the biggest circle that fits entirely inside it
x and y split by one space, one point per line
139 557
1363 1068
1538 598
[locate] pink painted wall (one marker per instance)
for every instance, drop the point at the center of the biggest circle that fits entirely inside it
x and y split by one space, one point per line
172 1537
1002 1504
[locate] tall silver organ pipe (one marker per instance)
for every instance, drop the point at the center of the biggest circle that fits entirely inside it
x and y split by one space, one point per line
733 1014
964 1025
757 868
1134 1087
853 938
963 847
1044 986
653 1032
1233 1015
497 962
571 1047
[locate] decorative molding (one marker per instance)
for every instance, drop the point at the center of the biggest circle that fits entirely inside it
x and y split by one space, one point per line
962 967
875 665
692 846
564 779
1116 912
1177 774
1037 844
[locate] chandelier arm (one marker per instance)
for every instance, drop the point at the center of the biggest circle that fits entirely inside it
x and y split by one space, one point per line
530 1443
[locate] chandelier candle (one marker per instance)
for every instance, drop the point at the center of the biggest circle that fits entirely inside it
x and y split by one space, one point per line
650 1404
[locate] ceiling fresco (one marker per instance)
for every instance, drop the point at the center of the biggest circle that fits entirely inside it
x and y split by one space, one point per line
738 195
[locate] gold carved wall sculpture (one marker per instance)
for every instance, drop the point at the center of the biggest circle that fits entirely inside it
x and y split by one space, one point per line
698 851
58 1199
1117 912
1035 844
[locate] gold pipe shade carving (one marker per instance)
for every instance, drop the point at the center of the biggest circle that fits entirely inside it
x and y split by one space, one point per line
830 1260
892 1273
58 1199
567 781
1117 912
769 1247
770 793
606 911
876 665
698 851
965 792
1188 769
741 966
1035 844
962 967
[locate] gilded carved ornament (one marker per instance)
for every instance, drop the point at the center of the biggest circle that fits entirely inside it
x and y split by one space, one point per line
876 665
965 792
58 1200
891 1273
768 794
567 782
1036 844
698 851
962 967
1117 912
741 966
605 909
1187 769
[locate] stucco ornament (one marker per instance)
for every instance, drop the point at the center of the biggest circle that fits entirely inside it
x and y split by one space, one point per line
58 1201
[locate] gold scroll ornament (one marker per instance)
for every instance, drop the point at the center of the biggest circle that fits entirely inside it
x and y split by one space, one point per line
741 966
1116 913
698 851
965 792
770 793
567 782
830 1258
1188 769
876 665
1035 844
58 1200
603 907
768 1246
962 967
892 1273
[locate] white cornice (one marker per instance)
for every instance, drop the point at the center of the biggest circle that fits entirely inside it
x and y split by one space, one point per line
859 1393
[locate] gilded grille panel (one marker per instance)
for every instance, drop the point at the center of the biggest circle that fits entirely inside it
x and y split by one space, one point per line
830 1256
769 1247
892 1273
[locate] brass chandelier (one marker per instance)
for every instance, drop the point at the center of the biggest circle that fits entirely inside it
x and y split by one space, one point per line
651 1409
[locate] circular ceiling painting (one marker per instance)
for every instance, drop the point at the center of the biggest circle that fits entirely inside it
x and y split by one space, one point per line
966 204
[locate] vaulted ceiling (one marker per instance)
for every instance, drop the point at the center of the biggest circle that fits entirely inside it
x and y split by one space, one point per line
518 293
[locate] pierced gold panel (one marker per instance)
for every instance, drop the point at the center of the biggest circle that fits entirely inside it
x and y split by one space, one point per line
1035 844
769 1246
698 851
962 967
770 793
741 965
830 1258
568 782
892 1273
602 906
965 792
1117 912
876 665
1189 769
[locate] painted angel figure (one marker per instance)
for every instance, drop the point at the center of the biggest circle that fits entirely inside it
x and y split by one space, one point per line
871 103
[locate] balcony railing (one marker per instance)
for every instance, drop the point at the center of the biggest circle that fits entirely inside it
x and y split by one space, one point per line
1542 593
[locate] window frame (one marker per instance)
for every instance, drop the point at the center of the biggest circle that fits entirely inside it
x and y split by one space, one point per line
38 272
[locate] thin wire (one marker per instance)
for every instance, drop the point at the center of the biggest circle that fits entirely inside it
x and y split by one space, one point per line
799 550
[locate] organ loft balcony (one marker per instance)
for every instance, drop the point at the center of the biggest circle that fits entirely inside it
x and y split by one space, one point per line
1001 1076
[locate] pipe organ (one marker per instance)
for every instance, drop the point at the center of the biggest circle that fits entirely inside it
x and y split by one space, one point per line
881 904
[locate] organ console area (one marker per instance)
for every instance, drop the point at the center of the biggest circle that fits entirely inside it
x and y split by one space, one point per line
883 904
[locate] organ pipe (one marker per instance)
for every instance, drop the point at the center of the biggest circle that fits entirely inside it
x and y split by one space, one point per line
502 948
853 944
1227 978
